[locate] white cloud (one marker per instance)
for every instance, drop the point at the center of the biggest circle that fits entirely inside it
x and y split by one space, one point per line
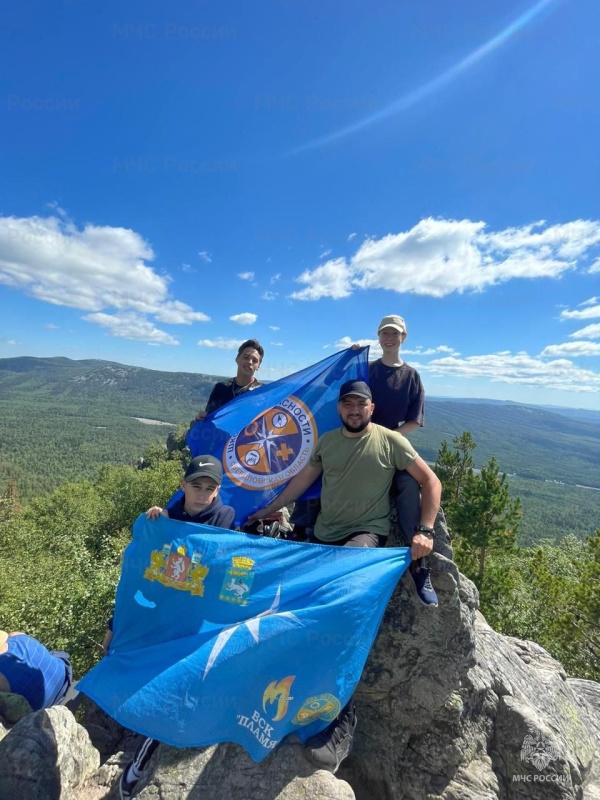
277 344
332 279
351 236
275 278
376 352
589 332
52 327
345 342
188 268
326 253
269 295
10 342
438 257
518 368
590 309
429 351
205 256
174 312
220 343
246 276
572 349
96 269
274 327
244 319
595 267
128 325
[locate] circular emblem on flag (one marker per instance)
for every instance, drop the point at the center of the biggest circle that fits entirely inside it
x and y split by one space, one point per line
273 448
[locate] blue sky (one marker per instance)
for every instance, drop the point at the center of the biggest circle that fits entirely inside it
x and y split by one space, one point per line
178 177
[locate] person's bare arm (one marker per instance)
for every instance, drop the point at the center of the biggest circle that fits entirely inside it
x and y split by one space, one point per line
407 427
431 493
297 486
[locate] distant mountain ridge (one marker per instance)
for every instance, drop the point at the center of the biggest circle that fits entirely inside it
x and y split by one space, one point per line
133 390
531 441
576 413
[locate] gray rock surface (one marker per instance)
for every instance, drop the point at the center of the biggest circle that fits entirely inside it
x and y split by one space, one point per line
46 756
226 771
446 706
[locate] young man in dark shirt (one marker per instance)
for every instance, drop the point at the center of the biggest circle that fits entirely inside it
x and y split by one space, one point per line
248 360
399 400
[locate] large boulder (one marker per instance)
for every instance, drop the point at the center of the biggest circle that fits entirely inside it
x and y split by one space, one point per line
450 710
46 756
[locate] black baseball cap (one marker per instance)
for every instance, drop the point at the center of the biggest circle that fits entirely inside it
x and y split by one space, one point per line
204 467
358 388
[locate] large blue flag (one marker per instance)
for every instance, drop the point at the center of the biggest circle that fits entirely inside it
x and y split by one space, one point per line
222 636
265 437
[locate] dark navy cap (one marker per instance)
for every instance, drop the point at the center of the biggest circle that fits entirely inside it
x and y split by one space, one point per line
358 388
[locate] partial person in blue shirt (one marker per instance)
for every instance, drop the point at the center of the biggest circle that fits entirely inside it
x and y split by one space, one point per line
31 670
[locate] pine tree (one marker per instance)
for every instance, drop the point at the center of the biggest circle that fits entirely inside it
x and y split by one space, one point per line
486 519
453 467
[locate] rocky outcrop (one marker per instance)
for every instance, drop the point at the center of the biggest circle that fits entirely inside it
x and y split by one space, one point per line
46 755
448 710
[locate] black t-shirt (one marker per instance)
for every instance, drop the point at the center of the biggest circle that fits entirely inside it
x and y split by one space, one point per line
225 391
398 394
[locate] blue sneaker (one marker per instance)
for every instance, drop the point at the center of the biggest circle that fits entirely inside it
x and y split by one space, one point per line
425 591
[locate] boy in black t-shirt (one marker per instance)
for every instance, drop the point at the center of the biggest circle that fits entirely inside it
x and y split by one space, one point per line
399 400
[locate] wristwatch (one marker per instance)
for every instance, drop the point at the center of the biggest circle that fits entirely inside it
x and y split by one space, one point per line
426 529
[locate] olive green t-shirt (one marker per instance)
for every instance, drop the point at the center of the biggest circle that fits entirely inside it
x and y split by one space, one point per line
357 476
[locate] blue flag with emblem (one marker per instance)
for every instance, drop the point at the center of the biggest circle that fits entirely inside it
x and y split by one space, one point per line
228 637
266 436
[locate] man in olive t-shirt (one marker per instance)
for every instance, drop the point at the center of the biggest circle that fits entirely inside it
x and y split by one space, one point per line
358 463
357 474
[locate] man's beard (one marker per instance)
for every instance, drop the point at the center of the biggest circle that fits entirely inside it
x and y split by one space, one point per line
358 428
